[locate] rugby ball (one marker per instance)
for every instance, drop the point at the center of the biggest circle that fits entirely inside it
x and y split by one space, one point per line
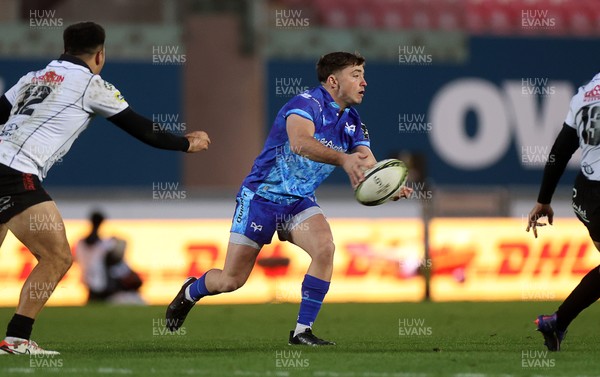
381 182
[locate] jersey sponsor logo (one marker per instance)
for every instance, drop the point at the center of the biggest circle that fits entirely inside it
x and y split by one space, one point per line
5 203
587 168
580 212
592 95
28 183
330 144
240 215
365 131
49 77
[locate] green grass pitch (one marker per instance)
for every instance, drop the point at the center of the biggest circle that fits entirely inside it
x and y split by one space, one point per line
374 340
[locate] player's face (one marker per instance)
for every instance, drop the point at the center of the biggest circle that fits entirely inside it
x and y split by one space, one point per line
351 85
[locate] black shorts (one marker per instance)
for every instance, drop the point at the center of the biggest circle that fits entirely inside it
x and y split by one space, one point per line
18 191
586 204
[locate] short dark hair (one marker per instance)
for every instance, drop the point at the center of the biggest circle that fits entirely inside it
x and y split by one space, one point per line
335 61
83 38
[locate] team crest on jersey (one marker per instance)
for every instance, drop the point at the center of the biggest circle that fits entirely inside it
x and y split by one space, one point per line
118 96
350 128
592 95
109 86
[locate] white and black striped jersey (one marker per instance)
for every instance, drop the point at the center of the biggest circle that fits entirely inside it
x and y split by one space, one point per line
584 117
50 108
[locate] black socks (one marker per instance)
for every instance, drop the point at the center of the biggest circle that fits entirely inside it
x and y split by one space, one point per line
584 295
20 327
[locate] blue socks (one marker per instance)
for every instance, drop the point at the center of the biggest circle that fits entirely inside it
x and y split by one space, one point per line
313 293
197 289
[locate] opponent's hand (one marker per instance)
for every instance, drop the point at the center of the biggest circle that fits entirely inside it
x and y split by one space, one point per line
199 141
539 210
403 192
354 165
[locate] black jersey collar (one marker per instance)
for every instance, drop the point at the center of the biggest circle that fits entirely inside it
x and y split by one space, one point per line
74 60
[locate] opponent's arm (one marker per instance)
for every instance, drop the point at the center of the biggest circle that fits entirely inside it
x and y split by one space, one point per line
5 108
301 133
142 129
565 145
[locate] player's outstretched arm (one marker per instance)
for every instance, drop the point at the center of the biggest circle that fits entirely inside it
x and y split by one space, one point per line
565 145
143 129
198 140
301 133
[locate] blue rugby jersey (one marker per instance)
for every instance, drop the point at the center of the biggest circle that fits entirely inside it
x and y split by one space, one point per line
282 176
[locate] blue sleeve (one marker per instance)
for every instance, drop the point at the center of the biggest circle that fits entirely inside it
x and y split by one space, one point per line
303 105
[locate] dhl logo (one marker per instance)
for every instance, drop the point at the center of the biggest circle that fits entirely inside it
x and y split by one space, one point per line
509 258
568 257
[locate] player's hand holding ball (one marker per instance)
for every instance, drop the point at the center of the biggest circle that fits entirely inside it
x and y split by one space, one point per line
385 181
199 141
355 165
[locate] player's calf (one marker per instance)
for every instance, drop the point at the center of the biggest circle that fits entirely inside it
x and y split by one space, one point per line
229 283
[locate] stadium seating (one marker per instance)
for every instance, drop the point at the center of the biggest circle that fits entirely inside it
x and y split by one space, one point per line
477 17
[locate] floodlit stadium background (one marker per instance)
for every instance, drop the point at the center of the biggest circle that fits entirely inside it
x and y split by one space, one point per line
470 93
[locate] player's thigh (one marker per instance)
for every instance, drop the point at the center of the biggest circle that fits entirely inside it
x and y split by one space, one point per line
313 235
586 205
41 229
239 261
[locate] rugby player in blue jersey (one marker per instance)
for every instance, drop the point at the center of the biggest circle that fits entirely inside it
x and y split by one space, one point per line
312 134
